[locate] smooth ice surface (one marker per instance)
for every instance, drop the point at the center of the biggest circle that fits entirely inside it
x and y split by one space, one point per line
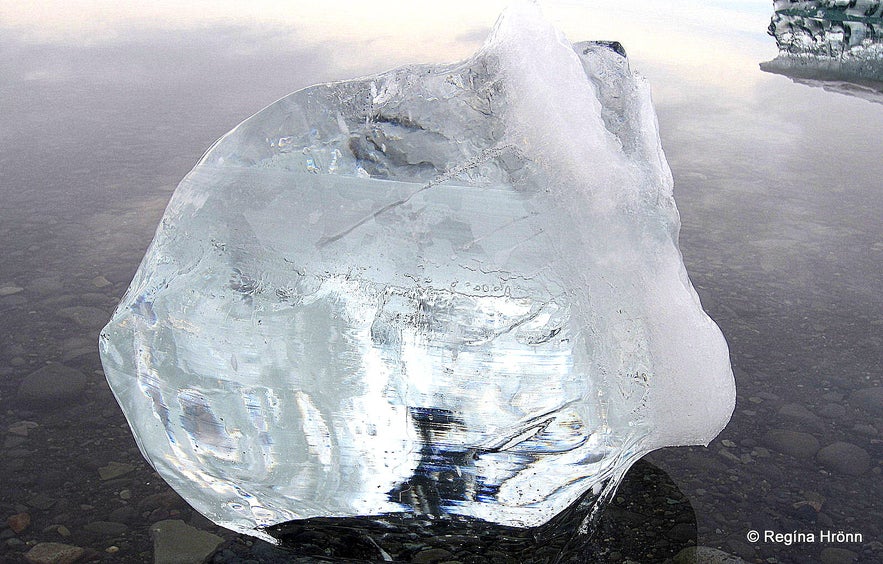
835 44
446 290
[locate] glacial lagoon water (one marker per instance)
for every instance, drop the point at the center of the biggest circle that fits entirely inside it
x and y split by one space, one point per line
777 183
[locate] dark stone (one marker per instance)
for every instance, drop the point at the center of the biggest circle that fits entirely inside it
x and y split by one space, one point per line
833 555
683 532
54 553
51 386
165 500
106 528
805 513
833 411
845 458
869 399
85 316
793 443
741 549
705 555
801 414
125 514
176 542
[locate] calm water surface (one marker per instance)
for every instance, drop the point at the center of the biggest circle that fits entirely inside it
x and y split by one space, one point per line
103 110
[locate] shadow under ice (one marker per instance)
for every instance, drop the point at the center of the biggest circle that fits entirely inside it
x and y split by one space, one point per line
648 518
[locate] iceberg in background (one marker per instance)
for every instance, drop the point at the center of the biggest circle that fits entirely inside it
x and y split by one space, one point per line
833 44
445 290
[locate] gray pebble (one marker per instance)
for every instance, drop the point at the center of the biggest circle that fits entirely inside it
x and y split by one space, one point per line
100 282
85 316
793 443
868 430
176 542
869 399
106 528
51 385
845 458
114 470
53 553
705 555
834 555
10 289
45 285
797 412
833 411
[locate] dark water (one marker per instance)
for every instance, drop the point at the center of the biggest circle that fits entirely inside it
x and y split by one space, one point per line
779 185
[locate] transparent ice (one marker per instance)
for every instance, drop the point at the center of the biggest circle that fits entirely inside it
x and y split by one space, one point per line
450 290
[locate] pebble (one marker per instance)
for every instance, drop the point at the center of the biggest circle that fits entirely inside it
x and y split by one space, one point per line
10 289
126 494
793 443
164 500
50 386
87 317
705 555
45 285
100 282
799 413
125 514
833 411
21 428
832 396
682 532
106 528
42 501
833 555
18 522
54 553
869 399
176 542
741 548
845 458
12 442
726 454
868 430
114 470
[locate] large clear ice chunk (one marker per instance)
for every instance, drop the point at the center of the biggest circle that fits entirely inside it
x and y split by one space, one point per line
451 290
